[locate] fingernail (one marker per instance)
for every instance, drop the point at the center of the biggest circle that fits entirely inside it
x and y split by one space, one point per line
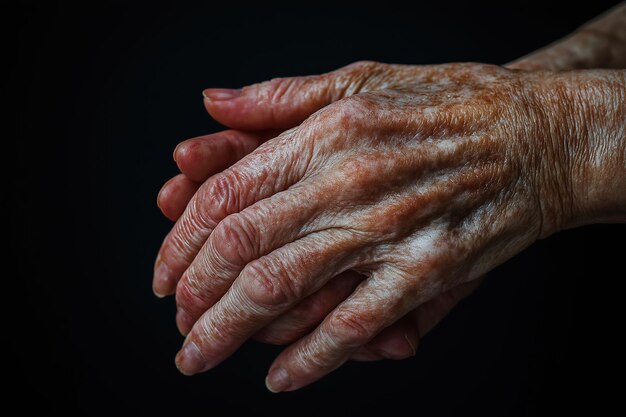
278 380
189 360
163 282
183 321
217 94
159 199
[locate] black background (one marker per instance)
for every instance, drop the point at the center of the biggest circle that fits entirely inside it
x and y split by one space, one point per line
99 97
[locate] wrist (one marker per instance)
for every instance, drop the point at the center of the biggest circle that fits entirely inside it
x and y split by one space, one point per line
583 172
600 173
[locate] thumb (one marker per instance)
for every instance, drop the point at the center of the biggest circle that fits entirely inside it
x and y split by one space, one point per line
283 103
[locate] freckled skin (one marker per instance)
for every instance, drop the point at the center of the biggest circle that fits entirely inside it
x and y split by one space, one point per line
420 178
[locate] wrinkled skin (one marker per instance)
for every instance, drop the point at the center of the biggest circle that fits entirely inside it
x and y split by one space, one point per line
431 132
420 178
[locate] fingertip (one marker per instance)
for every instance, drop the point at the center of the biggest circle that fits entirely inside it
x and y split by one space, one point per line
278 380
195 159
184 154
165 199
190 360
157 293
184 322
163 283
175 195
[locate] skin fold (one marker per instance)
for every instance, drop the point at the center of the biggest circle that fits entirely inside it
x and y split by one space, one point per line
394 189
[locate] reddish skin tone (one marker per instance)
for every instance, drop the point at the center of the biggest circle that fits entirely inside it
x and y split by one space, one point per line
397 342
400 339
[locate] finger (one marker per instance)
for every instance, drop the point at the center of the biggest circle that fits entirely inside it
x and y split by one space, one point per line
375 305
175 194
237 240
274 167
310 312
241 238
201 157
401 339
283 103
266 288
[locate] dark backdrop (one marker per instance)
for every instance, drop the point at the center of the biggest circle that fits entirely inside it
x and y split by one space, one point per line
98 100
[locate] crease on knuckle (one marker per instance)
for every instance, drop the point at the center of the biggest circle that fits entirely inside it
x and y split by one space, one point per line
197 284
356 112
212 338
270 285
359 77
234 240
218 200
189 293
343 116
280 88
349 329
197 214
200 281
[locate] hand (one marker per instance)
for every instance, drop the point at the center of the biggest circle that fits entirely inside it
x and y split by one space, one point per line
202 157
199 158
418 187
596 44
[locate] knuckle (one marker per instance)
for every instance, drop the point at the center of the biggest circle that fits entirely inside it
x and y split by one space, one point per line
219 198
275 90
235 239
361 76
346 115
189 293
354 110
364 66
350 329
198 213
270 285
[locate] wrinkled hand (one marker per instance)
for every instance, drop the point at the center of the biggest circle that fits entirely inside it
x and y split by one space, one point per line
199 158
202 157
422 179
